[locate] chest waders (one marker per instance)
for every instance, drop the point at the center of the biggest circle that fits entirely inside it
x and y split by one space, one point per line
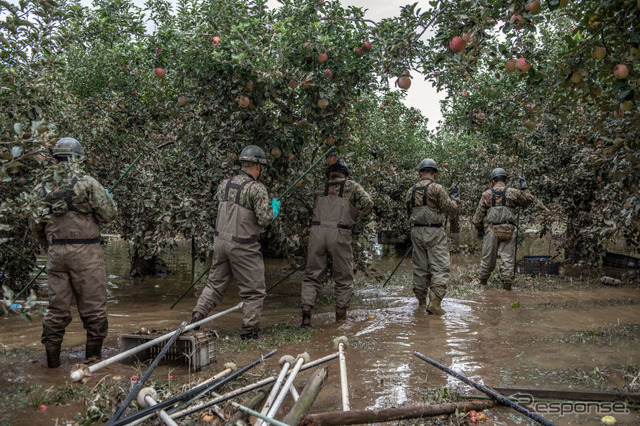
330 238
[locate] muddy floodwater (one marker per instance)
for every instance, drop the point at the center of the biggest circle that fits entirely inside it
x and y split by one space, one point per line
548 333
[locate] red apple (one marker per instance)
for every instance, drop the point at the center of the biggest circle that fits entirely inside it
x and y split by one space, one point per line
475 84
322 57
182 100
110 85
510 65
404 82
481 116
328 73
415 118
516 21
534 7
243 101
523 66
330 140
322 103
466 37
464 94
457 44
159 72
216 40
366 46
293 84
358 51
249 85
621 71
42 407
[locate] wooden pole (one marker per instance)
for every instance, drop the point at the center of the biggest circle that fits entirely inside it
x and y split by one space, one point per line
391 414
307 396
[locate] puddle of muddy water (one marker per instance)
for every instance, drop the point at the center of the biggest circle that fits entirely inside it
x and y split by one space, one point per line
483 336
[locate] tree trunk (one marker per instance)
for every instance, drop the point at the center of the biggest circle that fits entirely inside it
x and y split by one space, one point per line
307 396
142 266
392 414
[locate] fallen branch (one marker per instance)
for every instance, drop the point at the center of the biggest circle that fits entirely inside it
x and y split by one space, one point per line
392 414
307 396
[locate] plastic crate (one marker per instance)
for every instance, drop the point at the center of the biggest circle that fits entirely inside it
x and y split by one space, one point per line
194 348
621 261
535 265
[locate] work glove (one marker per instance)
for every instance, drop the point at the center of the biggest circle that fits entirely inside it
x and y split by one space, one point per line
357 228
481 233
195 317
109 194
523 182
454 193
275 205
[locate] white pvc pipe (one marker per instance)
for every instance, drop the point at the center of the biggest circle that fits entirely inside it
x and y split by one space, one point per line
78 375
166 418
273 393
344 384
285 389
294 393
245 389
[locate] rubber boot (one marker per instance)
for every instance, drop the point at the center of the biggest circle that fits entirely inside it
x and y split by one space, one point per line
195 317
250 335
422 301
306 316
506 286
341 314
483 282
53 356
93 350
434 308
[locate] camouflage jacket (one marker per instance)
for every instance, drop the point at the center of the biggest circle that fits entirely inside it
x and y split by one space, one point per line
437 198
89 197
514 198
254 197
353 192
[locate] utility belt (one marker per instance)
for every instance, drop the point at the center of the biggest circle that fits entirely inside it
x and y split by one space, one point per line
431 225
316 223
240 239
62 241
502 223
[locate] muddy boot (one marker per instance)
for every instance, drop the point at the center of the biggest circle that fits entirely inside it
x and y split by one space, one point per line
306 316
195 317
53 356
93 350
341 314
422 301
482 282
250 335
506 286
434 307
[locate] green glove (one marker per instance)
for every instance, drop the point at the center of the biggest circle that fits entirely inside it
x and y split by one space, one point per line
275 205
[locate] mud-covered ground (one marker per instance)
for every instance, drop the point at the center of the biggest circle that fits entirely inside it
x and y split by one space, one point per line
547 333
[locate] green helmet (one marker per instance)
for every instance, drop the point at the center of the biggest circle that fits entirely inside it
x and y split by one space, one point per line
498 173
339 166
428 163
67 147
253 154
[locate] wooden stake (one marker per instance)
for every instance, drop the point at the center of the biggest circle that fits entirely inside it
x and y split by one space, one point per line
307 396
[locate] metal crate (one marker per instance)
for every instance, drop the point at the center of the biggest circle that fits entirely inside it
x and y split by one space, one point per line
194 348
621 261
535 265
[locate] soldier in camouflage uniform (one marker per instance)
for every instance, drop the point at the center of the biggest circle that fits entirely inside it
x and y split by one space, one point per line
242 210
496 207
74 206
340 207
428 203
